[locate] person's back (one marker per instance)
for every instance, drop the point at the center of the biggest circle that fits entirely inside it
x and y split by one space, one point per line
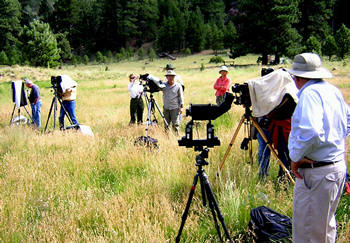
326 104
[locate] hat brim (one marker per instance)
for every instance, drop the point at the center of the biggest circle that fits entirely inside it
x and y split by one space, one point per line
223 70
320 73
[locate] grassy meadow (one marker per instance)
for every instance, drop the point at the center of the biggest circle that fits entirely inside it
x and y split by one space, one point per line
67 187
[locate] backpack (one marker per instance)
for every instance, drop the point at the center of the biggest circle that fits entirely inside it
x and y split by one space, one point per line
147 141
267 225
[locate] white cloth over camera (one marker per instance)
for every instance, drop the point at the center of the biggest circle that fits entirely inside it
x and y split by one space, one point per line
67 83
267 92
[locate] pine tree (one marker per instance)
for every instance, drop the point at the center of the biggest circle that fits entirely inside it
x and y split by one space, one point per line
329 47
9 23
315 18
342 38
40 45
195 36
266 27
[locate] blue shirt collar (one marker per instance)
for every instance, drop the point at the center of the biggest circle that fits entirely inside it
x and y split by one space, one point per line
308 83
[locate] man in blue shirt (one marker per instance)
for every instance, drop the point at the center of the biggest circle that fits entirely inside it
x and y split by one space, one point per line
35 101
320 124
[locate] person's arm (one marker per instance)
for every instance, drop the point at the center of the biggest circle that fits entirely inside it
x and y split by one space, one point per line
216 84
307 128
181 99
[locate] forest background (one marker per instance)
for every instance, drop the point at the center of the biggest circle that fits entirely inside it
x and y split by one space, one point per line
50 32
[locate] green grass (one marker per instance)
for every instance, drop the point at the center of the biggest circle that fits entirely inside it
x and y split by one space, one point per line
62 187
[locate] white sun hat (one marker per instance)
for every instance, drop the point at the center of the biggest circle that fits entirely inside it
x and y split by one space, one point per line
223 68
308 65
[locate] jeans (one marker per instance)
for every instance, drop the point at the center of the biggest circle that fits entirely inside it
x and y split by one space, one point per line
36 113
69 105
264 154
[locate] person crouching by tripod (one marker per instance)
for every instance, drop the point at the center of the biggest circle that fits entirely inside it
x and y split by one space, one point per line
136 102
173 101
35 101
68 102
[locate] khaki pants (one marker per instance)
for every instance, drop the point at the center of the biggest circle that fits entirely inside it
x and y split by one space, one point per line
172 116
315 201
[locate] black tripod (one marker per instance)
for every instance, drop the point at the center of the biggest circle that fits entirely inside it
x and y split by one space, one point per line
207 195
151 112
54 108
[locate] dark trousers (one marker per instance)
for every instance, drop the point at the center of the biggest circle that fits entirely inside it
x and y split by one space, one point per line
136 108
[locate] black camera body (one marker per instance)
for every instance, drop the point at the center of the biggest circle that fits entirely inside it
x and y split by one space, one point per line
242 96
204 112
152 84
56 85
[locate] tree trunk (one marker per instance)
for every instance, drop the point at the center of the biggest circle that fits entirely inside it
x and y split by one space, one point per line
264 60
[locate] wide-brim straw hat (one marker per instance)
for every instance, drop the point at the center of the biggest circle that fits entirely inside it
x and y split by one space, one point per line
223 68
308 65
170 73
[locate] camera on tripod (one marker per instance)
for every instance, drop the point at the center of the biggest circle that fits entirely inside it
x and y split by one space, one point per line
241 94
203 112
152 84
56 85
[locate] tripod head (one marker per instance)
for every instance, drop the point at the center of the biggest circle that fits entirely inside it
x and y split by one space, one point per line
200 158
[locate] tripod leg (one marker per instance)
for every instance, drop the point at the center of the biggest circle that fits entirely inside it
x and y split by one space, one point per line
30 116
48 117
261 132
149 107
161 114
188 204
230 145
65 112
214 207
13 112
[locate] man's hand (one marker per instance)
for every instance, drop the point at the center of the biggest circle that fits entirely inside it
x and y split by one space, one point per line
180 110
295 166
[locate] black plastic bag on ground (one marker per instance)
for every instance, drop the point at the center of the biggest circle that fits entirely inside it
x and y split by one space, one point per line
267 225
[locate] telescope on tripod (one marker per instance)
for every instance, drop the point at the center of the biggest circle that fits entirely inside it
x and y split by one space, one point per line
152 85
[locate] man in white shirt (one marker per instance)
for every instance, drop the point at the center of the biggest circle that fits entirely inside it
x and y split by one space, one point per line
320 124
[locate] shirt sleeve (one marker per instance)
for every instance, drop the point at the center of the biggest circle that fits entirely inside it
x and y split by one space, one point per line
348 120
181 96
307 126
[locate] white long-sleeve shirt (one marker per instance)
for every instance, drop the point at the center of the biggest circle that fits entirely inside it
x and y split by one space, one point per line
320 123
135 89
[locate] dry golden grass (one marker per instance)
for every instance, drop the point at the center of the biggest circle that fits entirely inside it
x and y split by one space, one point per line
68 187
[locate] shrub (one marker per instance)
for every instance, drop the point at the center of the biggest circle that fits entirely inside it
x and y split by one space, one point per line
141 53
202 67
216 59
86 59
188 51
313 45
99 57
14 56
3 58
151 54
